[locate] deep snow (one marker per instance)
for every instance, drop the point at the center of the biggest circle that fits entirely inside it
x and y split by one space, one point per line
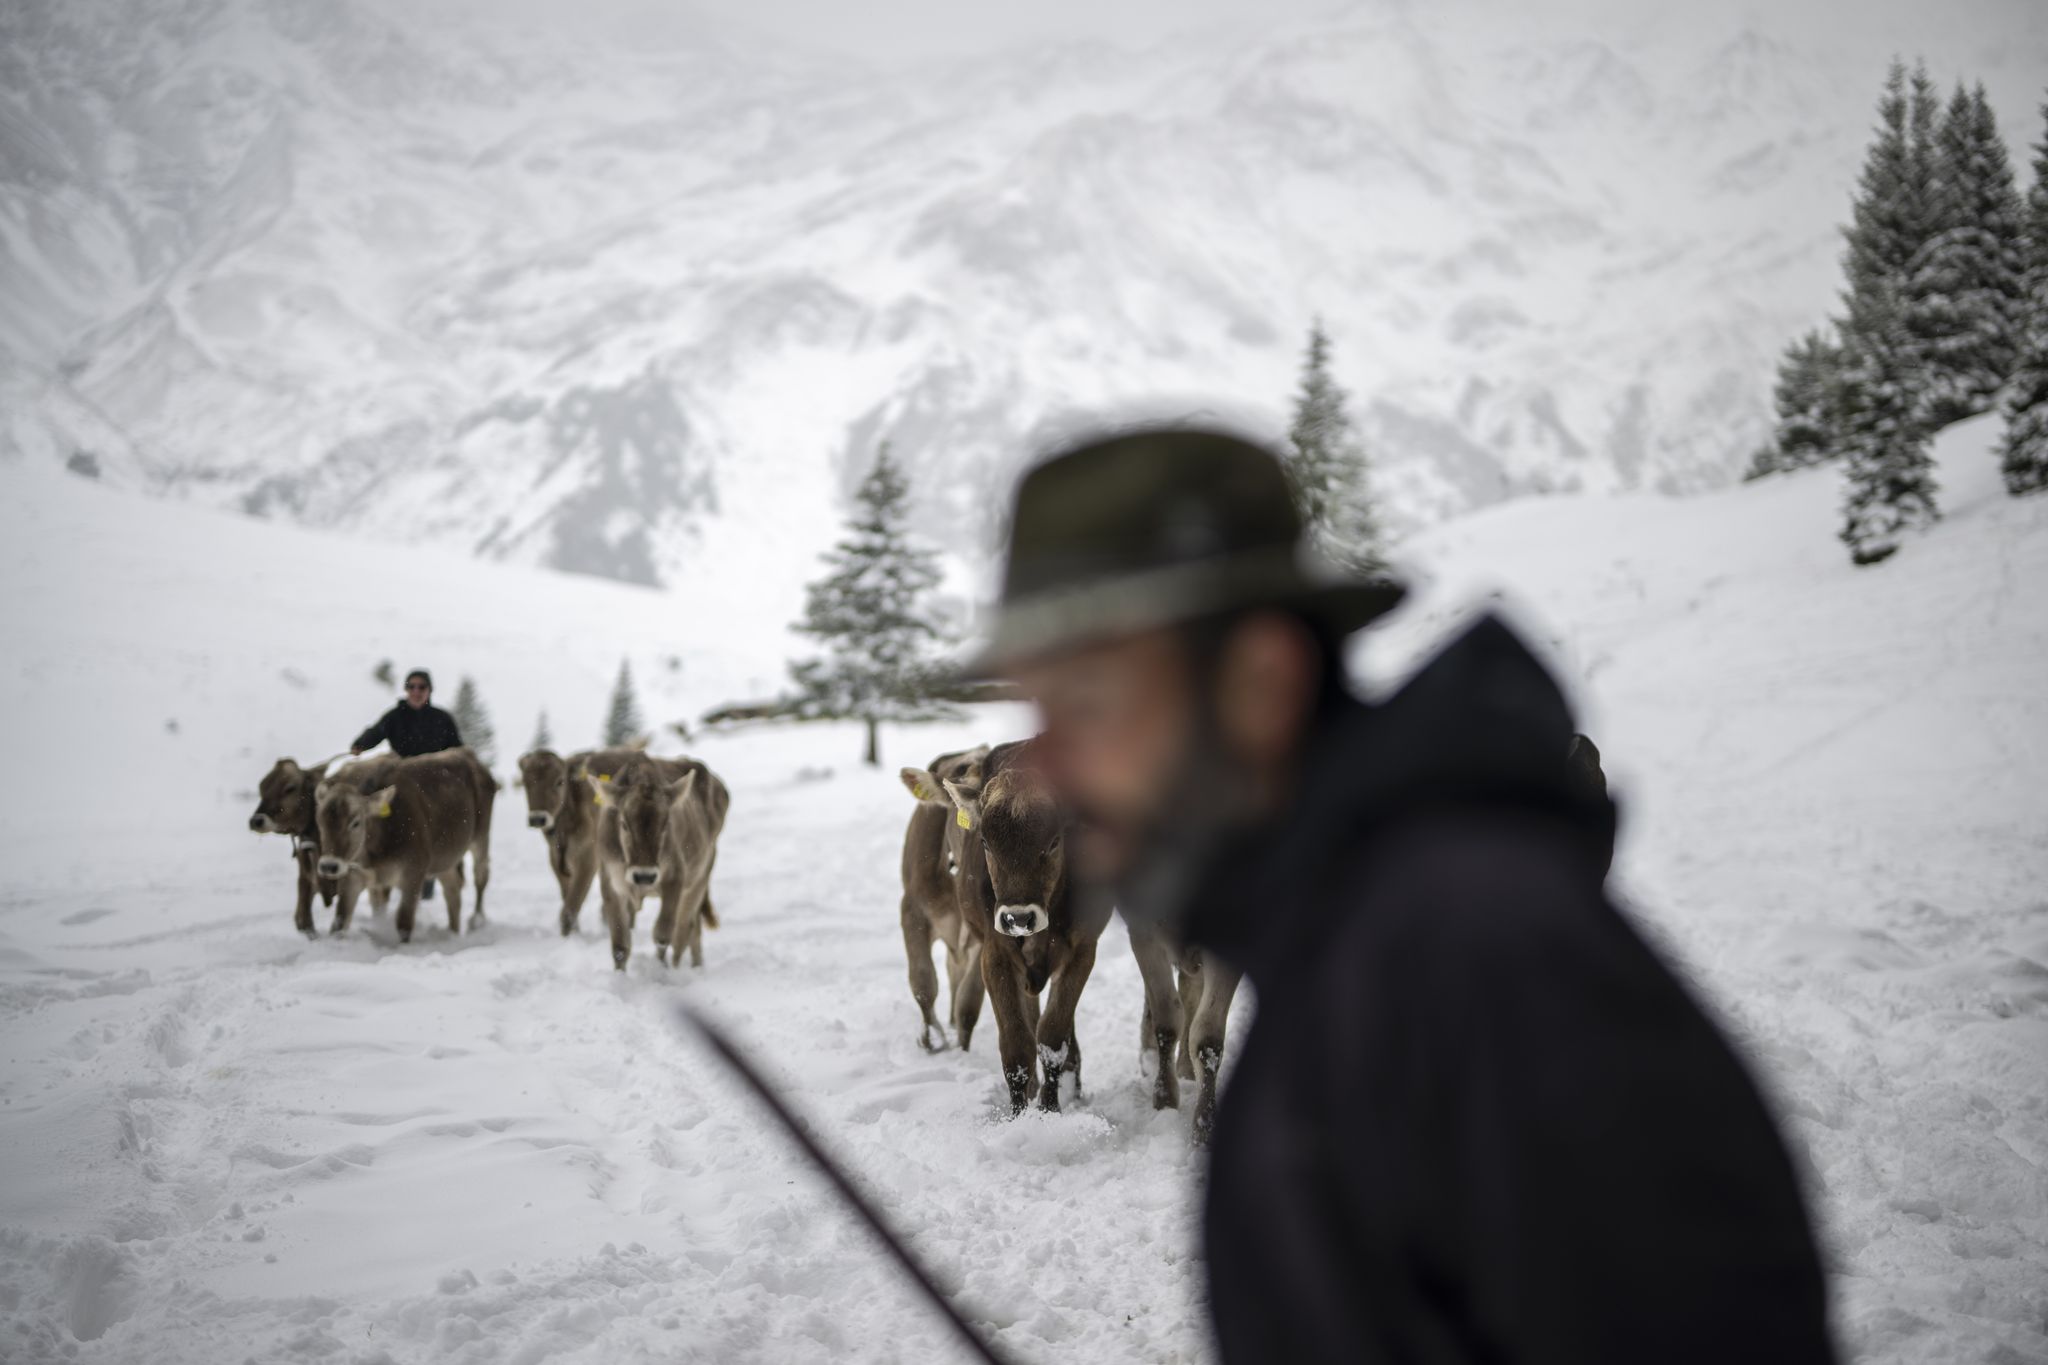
221 1142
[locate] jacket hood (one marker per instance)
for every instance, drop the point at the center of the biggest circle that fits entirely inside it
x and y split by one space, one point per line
1481 724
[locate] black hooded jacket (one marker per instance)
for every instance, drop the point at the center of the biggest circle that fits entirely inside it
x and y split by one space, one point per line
412 730
1477 1118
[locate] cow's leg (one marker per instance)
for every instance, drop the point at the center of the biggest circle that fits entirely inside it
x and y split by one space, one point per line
1016 1041
1160 1030
967 1002
618 917
380 901
345 902
1193 980
575 891
697 918
1058 1049
924 978
666 931
1207 1029
453 881
480 868
302 910
409 904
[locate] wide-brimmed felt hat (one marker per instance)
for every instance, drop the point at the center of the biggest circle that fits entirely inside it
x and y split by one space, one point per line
1152 528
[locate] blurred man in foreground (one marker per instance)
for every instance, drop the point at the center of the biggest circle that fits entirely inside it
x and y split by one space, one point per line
1476 1119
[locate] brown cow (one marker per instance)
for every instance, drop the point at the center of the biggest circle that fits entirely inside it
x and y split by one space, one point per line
934 846
658 825
284 805
434 808
565 812
1037 929
1181 1036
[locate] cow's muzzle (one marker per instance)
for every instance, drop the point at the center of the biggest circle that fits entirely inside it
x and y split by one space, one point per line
1021 921
332 867
643 876
540 819
260 823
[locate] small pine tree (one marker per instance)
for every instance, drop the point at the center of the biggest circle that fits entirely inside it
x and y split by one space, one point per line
1328 469
872 615
622 722
1884 442
1970 279
385 672
2023 452
1809 400
474 721
543 738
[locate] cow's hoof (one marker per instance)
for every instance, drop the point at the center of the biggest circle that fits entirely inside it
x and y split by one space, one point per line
568 928
924 1040
619 956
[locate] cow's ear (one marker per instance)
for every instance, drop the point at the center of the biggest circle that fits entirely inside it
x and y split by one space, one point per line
681 788
925 787
380 801
320 792
966 804
597 784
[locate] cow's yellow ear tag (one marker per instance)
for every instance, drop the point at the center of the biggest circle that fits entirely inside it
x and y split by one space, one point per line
384 811
597 798
963 819
604 777
923 793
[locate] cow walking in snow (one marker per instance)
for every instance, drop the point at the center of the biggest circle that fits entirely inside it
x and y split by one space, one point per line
1187 1008
428 813
934 850
1037 929
562 807
284 805
657 835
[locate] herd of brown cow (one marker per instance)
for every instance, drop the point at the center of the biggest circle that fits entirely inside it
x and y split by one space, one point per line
984 874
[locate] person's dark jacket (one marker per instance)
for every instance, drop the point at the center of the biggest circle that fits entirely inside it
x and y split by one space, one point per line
412 730
1476 1117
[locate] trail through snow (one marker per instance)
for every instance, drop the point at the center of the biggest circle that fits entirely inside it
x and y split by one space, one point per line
220 1142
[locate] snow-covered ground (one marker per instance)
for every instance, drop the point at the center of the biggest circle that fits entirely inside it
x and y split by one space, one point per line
221 1142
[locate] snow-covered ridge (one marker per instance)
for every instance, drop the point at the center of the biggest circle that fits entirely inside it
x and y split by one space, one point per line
643 310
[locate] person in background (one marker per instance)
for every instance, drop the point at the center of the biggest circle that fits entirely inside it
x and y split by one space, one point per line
414 726
1476 1117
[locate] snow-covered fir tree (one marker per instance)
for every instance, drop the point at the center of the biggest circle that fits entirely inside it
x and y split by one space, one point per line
543 737
474 721
2023 450
1808 398
1893 219
1328 468
873 617
1969 281
1883 437
622 722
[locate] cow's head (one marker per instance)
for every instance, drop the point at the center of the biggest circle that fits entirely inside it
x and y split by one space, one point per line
928 785
1023 841
643 799
347 815
545 776
284 799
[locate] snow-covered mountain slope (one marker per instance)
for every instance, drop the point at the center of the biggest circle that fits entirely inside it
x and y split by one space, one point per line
644 309
219 1141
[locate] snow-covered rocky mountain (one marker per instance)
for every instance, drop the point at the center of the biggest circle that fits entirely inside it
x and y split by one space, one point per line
641 304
